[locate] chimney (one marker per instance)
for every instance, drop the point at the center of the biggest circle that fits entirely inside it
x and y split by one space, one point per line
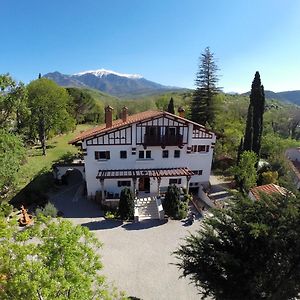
181 111
108 116
124 114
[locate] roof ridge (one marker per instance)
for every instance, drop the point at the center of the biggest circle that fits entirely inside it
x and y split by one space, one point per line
137 117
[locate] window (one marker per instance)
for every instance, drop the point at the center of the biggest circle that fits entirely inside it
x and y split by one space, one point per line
141 154
176 153
153 130
171 131
102 155
123 154
174 181
201 148
165 153
148 154
145 154
124 183
198 172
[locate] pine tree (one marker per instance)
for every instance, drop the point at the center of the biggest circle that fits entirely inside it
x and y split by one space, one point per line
202 108
171 108
247 250
254 126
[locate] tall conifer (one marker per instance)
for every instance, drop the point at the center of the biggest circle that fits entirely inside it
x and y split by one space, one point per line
254 125
171 108
202 108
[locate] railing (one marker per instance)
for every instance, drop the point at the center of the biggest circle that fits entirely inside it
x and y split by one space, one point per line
163 140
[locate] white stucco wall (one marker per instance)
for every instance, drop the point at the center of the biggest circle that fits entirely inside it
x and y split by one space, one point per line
194 161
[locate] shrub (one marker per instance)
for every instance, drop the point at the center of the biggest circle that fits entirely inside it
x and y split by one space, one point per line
5 209
269 177
173 206
126 204
48 211
111 215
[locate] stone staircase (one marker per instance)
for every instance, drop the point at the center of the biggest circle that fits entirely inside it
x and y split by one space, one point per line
147 208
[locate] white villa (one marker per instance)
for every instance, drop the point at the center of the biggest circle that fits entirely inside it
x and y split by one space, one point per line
147 152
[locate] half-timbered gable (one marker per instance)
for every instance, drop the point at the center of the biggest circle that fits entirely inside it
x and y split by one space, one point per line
162 131
119 136
201 133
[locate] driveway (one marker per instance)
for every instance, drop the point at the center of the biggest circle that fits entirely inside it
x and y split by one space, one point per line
136 256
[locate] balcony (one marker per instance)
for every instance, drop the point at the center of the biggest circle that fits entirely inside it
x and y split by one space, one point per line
163 140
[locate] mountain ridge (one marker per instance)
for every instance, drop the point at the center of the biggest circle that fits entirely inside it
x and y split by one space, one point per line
111 82
285 96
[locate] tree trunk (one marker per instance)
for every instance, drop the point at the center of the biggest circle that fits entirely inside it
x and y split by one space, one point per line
42 134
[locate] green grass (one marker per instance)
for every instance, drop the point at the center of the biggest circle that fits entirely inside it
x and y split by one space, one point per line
37 164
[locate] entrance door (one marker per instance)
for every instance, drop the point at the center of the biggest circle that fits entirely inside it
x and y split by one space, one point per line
144 184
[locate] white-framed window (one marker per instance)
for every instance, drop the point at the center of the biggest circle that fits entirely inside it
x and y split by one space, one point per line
200 148
144 154
102 155
174 181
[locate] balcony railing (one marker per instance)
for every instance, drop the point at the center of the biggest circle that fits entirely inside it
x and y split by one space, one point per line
163 140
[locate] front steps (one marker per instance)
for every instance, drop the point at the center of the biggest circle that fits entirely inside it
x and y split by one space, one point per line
146 208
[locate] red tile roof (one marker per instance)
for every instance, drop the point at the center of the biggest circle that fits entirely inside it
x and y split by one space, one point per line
130 120
268 189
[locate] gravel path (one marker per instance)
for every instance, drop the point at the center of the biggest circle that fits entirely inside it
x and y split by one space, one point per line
136 256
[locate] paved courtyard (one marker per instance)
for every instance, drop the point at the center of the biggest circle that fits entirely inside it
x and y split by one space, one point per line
136 256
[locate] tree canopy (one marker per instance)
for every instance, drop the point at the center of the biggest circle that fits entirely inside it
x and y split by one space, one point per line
12 153
51 260
249 250
245 172
48 105
13 98
81 104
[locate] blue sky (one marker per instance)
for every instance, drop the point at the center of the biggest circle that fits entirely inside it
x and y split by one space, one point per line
160 39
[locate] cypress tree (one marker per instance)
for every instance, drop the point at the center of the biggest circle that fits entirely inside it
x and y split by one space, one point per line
254 125
171 108
248 138
202 107
240 150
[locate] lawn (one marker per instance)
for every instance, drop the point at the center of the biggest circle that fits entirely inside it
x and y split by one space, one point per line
37 164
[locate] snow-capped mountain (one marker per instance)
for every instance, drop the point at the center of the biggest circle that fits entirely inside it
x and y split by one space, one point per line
104 72
111 82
